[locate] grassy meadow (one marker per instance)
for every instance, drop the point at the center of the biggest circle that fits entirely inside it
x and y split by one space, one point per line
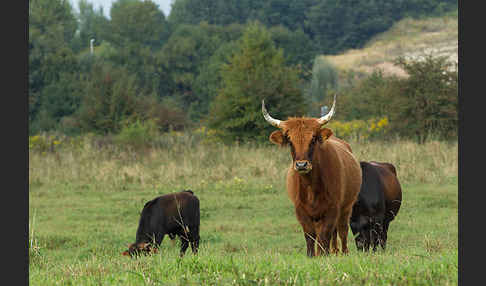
85 201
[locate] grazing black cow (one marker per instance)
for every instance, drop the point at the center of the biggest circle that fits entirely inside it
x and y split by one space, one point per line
171 214
378 203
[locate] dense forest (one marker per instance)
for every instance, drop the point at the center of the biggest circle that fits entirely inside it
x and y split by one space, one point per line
211 62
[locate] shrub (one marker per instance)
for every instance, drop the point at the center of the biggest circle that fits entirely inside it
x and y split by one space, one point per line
427 100
374 128
53 142
421 104
137 133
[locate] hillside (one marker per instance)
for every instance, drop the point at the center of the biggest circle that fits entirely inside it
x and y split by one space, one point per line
410 38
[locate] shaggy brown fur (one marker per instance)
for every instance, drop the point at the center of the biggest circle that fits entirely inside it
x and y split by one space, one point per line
323 182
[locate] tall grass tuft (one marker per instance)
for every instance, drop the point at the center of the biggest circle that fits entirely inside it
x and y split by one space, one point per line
179 159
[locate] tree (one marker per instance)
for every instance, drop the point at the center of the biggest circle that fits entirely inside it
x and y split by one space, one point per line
209 80
217 12
92 25
370 97
428 98
136 24
109 99
256 72
297 46
324 79
52 26
187 53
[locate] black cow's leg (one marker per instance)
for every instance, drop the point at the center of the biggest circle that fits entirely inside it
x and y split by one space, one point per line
385 233
195 245
194 239
159 238
374 238
184 244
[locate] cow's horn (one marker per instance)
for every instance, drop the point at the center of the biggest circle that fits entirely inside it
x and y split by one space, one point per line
271 120
323 120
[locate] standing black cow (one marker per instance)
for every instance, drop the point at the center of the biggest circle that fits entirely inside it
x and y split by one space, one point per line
378 203
171 214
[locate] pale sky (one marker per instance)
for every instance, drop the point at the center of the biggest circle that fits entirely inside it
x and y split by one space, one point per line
164 5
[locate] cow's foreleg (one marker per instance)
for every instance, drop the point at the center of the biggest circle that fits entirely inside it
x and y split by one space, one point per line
334 242
310 239
324 238
326 228
309 231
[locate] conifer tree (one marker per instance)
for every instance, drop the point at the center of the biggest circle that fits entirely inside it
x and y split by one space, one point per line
255 71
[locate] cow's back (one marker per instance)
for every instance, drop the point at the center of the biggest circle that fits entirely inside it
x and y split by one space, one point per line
371 198
392 187
166 213
178 207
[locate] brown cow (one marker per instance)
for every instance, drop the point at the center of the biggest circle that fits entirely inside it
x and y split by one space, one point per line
323 180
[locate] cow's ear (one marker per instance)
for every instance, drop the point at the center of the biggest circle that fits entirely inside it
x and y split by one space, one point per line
277 137
142 245
125 253
326 133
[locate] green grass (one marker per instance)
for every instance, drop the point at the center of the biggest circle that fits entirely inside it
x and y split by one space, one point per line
84 208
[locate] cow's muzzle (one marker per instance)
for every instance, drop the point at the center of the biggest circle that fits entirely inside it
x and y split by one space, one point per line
302 166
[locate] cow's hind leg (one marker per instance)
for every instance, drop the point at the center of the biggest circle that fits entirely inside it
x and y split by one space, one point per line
384 235
195 246
194 235
184 244
343 227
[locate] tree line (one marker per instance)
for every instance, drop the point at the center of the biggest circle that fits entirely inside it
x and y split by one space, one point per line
210 62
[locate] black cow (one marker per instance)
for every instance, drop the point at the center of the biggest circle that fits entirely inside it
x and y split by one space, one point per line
171 214
378 203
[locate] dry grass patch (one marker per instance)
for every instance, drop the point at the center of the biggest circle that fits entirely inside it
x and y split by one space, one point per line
408 38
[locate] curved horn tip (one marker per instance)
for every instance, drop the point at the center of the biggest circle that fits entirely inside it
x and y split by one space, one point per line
268 118
324 119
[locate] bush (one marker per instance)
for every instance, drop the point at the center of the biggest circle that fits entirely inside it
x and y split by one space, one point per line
427 100
112 100
357 130
421 104
138 133
53 142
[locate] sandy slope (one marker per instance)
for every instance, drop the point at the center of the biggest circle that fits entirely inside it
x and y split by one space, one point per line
408 38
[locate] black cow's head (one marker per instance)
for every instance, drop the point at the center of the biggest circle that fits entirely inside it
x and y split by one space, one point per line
367 231
136 249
